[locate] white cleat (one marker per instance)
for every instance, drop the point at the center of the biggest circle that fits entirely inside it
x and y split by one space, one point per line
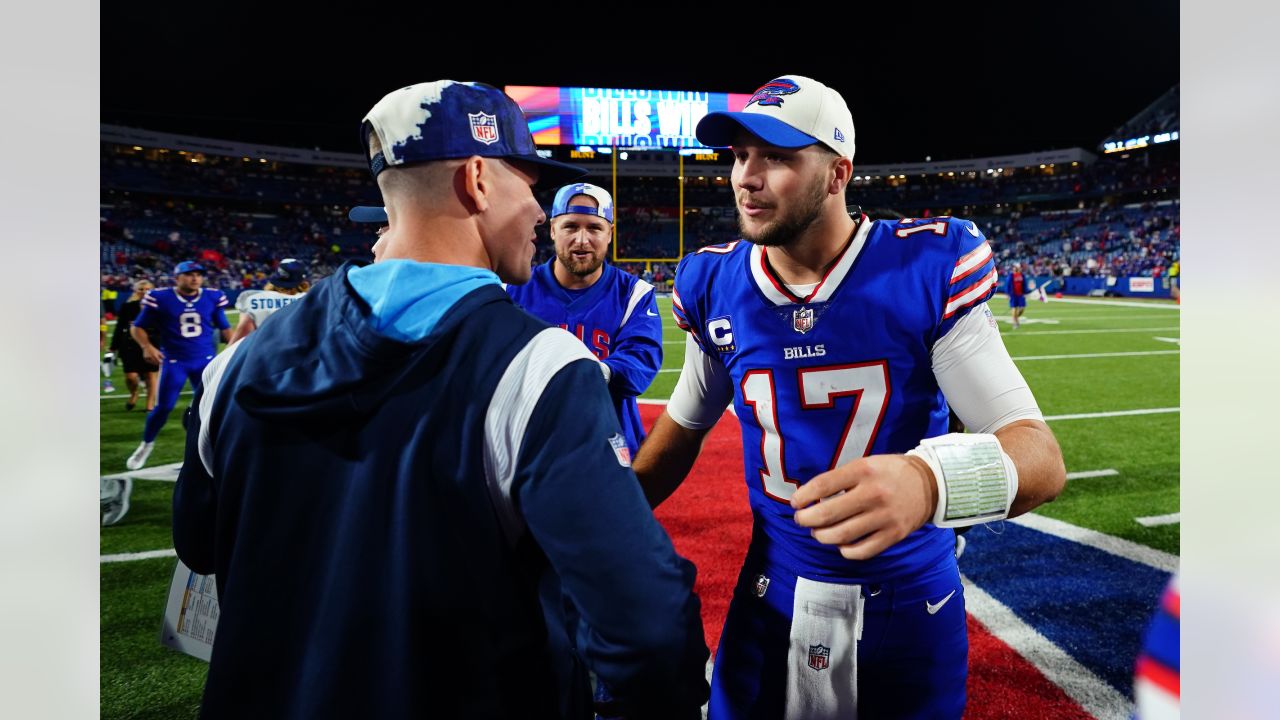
960 545
139 456
116 504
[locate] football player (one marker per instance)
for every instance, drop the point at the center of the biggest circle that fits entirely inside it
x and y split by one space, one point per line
287 284
187 315
842 343
612 312
1017 289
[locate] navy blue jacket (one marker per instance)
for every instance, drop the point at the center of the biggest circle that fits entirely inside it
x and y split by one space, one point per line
380 514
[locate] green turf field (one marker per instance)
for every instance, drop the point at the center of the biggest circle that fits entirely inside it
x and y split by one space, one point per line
1127 360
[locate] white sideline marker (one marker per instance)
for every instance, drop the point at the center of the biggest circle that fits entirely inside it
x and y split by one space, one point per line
1024 358
1119 547
128 557
1158 520
163 473
1092 693
1083 474
1115 413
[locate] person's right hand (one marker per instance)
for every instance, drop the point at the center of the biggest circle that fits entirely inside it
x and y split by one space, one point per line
153 354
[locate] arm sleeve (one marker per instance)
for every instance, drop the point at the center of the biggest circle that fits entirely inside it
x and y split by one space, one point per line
978 377
583 506
703 391
973 278
636 355
219 314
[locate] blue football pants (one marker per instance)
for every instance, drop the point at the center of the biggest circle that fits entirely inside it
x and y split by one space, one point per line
173 375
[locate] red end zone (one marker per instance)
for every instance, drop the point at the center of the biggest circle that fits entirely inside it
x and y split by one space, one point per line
710 523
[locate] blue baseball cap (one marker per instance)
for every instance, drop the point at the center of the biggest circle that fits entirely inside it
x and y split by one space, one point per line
561 206
446 119
368 214
187 266
289 274
791 111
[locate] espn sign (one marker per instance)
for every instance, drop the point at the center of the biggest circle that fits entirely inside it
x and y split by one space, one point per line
1142 285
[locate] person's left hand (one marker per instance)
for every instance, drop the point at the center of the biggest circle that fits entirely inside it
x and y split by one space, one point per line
867 505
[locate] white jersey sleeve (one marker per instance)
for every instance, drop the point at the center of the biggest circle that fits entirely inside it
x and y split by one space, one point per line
703 391
978 378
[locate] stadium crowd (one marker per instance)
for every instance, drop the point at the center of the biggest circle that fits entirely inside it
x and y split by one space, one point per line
240 217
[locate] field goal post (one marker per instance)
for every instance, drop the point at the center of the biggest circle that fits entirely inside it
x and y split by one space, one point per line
648 261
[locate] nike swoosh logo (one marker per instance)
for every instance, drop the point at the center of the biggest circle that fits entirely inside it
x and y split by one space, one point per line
650 313
932 608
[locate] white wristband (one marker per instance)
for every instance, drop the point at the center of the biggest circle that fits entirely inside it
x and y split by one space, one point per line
977 481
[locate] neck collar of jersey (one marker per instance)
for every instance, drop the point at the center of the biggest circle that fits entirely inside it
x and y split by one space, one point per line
777 293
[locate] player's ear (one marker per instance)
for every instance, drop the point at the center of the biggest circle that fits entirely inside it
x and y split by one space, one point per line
475 181
842 171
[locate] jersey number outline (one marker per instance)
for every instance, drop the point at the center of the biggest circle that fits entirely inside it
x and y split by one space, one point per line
189 325
866 382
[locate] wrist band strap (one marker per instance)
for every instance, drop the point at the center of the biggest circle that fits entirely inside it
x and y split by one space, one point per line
977 481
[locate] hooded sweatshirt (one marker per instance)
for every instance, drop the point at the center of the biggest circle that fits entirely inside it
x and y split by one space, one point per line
387 477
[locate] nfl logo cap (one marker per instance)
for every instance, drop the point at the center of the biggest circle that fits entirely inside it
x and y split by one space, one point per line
792 111
187 266
604 202
445 119
368 214
289 274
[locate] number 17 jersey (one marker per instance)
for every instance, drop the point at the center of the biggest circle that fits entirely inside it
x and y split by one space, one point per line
840 373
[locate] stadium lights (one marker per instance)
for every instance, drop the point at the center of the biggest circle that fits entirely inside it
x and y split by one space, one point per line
586 148
1041 166
605 151
137 147
623 155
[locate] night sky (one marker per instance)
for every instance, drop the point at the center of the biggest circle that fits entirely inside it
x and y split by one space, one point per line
946 84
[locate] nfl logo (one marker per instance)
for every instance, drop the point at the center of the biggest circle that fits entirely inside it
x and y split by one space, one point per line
802 320
484 127
620 450
762 584
819 657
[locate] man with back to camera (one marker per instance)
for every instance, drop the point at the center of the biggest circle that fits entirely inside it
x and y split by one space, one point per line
288 283
612 312
385 476
186 315
842 342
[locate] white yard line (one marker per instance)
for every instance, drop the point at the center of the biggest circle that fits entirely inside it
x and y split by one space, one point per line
1093 694
1037 333
1157 520
1175 341
1085 474
124 395
1019 358
1119 303
1119 547
1114 413
128 557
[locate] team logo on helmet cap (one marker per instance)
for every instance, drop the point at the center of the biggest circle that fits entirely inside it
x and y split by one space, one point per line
484 127
771 92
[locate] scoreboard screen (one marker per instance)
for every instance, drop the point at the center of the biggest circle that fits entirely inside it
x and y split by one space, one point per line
626 118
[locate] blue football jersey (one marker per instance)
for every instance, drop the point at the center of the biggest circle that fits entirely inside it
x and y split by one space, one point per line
617 319
843 373
188 324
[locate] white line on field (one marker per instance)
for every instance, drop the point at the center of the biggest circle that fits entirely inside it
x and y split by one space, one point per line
1095 355
1157 520
1120 303
123 395
1119 547
1092 693
1115 413
128 557
1175 341
1038 333
1084 474
164 473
